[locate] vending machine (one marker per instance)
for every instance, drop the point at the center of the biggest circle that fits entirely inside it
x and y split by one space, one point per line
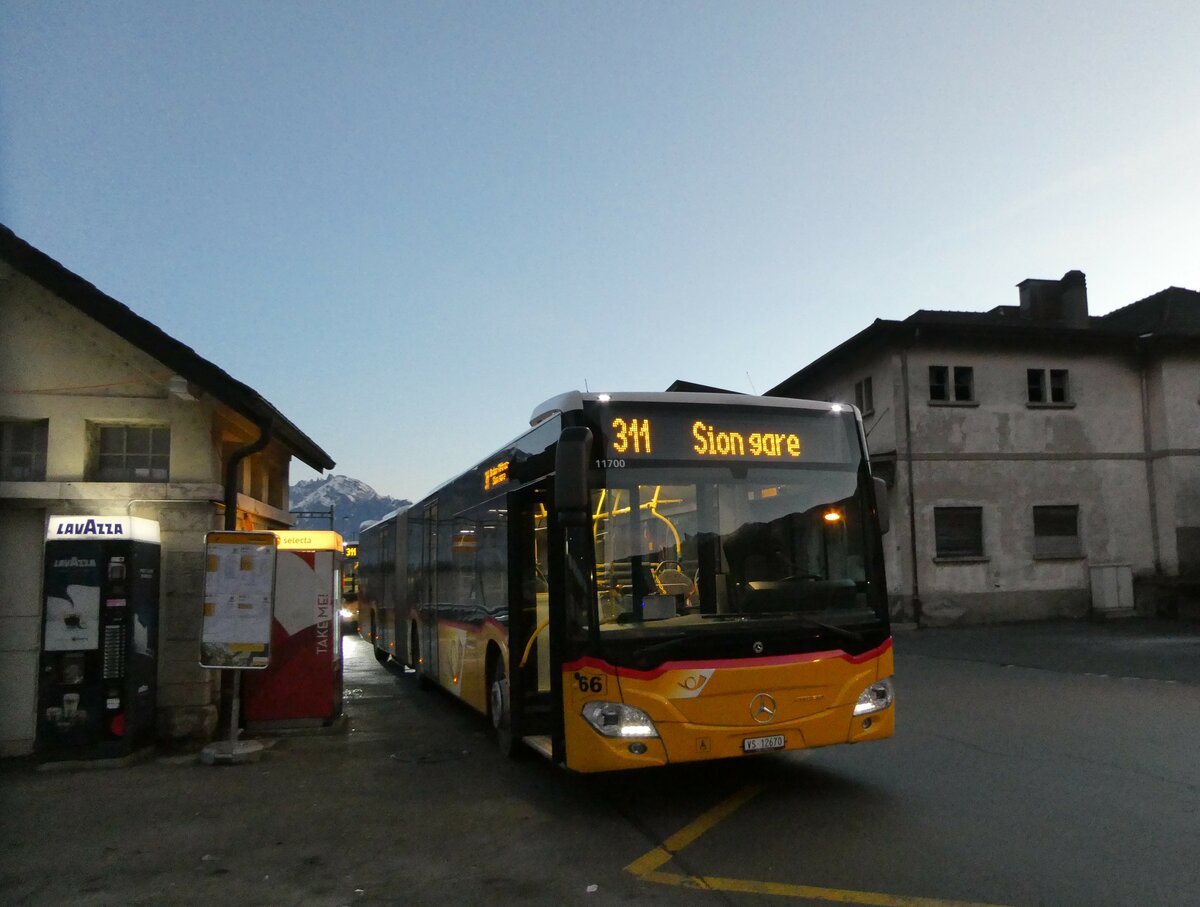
302 686
99 658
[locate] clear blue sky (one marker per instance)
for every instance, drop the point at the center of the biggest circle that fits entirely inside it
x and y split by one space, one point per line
405 224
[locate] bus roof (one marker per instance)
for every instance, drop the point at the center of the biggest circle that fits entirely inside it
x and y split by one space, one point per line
369 524
574 400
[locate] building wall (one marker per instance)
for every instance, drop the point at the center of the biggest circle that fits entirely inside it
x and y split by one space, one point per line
65 367
21 533
883 424
1106 391
1006 456
59 365
1009 582
1173 392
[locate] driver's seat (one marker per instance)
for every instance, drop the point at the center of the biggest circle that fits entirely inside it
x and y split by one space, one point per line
671 580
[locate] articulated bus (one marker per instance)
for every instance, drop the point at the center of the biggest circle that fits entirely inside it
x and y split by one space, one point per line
643 579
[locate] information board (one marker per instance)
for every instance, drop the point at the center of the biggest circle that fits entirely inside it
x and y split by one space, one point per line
239 599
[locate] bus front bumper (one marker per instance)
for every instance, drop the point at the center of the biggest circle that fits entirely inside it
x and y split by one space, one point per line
589 751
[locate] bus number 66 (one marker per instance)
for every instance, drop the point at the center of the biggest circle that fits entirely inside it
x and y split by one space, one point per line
590 683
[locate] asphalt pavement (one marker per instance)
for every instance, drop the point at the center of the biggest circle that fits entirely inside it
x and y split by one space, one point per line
1144 648
412 804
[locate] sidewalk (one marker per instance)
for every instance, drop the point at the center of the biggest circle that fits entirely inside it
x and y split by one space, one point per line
413 805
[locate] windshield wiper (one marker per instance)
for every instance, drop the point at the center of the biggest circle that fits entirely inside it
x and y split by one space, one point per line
831 629
661 645
834 629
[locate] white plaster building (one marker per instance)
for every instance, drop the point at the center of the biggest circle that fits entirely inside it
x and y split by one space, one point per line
102 413
1040 461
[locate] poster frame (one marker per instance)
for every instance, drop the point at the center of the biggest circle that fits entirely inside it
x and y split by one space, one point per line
238 600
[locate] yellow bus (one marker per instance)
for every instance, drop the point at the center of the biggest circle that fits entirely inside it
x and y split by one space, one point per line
644 579
350 586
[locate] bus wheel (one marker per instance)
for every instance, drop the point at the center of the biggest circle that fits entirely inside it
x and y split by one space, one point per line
500 708
414 649
381 655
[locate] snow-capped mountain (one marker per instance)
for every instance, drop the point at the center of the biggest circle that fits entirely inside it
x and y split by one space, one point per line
353 502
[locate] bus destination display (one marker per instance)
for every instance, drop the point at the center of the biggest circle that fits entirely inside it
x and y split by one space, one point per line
705 435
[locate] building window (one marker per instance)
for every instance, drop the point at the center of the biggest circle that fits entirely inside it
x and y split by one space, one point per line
1056 531
863 398
964 383
939 382
1055 388
23 451
132 453
958 531
955 384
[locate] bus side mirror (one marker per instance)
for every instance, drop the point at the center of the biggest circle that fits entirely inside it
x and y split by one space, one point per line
882 508
571 498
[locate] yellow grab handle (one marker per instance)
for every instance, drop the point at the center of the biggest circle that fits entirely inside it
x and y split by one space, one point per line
532 639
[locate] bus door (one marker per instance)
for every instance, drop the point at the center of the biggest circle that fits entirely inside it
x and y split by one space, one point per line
531 678
428 598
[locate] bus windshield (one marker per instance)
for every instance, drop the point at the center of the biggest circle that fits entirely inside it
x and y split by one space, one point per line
690 546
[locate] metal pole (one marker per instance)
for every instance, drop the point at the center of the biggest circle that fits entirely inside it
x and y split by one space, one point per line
236 710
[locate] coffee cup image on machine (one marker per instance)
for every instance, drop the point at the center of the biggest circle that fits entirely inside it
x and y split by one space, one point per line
73 623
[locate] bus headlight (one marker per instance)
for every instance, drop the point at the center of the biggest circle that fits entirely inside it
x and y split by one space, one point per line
615 719
875 698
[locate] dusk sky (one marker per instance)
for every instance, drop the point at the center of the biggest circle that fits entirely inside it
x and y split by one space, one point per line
406 224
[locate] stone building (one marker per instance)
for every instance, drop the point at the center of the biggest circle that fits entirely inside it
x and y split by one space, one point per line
1041 461
103 413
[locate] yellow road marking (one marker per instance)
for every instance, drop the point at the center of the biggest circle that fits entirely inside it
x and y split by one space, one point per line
647 868
689 833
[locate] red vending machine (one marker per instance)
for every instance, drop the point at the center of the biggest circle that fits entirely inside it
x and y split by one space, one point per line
302 686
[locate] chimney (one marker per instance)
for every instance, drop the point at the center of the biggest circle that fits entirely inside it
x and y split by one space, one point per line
1073 295
1057 303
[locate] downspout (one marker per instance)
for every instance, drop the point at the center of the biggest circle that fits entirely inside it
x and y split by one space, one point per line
912 509
1152 493
231 492
231 472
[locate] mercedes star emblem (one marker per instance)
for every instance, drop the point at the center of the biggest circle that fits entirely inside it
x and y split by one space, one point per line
762 708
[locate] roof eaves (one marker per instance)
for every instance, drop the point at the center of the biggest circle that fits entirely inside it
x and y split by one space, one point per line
877 332
1173 311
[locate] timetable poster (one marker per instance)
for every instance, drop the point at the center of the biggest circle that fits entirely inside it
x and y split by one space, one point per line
239 599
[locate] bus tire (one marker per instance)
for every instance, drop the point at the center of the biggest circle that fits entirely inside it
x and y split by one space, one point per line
500 708
381 655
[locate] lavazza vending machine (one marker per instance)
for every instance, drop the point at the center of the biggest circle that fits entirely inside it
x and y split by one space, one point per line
99 661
